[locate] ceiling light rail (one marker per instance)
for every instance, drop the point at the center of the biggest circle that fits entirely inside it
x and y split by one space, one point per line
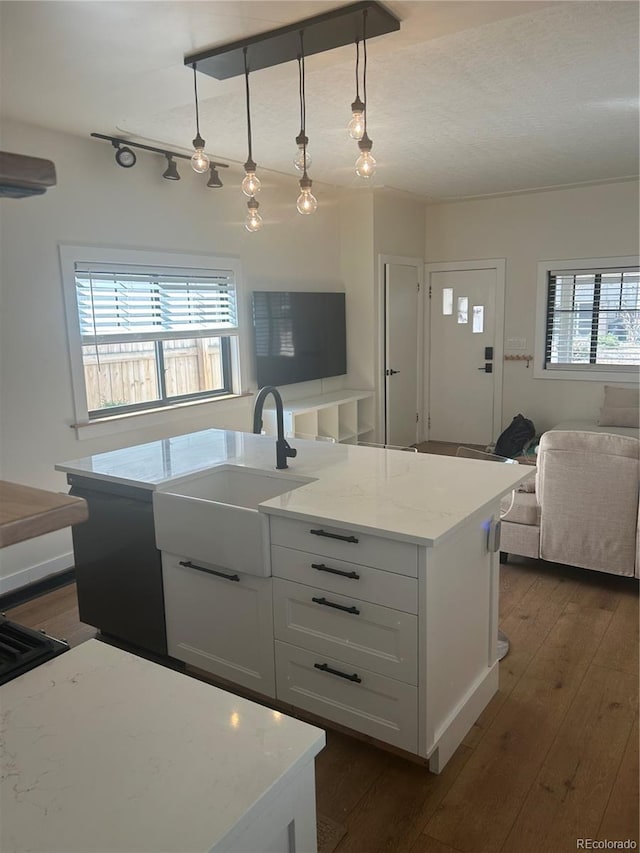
126 158
336 28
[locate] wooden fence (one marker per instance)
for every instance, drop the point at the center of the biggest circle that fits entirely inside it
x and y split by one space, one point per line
125 374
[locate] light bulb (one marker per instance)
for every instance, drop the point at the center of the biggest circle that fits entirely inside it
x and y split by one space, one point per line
365 165
199 161
307 202
356 125
251 184
302 160
253 222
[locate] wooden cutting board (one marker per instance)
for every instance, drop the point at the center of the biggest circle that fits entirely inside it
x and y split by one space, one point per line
26 512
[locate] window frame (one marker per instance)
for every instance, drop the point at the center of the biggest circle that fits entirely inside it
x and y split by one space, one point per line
104 422
593 373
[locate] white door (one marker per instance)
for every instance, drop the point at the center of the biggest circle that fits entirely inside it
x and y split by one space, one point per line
401 299
465 351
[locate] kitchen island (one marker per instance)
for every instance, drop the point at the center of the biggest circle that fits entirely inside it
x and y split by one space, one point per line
373 602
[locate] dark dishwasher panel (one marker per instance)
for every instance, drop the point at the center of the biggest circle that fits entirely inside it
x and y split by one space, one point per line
118 567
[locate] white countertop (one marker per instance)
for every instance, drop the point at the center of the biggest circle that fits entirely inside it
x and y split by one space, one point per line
106 751
415 497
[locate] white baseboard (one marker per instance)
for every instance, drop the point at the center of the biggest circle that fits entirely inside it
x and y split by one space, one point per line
30 575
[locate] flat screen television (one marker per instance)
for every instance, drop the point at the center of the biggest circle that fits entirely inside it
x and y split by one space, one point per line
298 336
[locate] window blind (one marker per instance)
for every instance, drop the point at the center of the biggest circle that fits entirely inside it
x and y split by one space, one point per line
593 318
117 304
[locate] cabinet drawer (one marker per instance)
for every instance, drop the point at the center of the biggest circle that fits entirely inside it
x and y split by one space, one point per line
223 625
362 634
363 582
344 544
374 705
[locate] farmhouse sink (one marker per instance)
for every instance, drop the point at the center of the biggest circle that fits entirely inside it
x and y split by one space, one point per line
213 518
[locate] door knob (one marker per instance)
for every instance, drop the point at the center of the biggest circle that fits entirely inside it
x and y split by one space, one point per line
391 372
488 368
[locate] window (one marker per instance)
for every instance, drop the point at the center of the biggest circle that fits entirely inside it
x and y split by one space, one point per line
590 320
147 336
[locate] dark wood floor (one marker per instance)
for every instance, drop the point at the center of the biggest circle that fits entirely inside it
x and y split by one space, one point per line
553 758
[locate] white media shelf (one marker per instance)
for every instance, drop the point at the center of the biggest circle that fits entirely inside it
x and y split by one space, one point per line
342 416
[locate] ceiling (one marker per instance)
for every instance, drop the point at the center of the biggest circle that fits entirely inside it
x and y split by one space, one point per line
468 99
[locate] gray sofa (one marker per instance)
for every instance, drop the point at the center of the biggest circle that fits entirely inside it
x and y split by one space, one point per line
581 505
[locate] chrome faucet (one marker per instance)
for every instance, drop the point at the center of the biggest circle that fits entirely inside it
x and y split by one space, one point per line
283 449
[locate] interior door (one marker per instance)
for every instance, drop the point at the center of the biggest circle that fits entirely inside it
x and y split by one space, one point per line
401 298
465 344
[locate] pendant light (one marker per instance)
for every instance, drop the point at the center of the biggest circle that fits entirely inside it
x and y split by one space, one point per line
356 125
251 183
307 203
365 164
253 222
199 161
302 160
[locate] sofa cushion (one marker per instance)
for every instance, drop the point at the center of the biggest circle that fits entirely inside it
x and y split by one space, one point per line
619 416
521 539
616 397
524 510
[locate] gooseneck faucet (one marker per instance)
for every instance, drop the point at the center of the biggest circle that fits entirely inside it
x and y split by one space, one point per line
283 449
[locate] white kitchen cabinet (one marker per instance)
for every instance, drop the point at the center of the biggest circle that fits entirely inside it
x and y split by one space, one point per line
360 633
339 654
365 701
344 416
220 621
333 541
393 640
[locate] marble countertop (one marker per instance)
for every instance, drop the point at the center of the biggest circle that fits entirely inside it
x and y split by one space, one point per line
103 750
415 497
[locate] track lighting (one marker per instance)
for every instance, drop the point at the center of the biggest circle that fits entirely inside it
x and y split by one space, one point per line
214 177
125 156
199 160
171 172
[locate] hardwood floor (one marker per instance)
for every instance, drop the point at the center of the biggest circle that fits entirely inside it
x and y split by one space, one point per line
553 758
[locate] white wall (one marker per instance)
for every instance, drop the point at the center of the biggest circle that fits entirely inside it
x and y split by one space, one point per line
98 203
372 223
585 222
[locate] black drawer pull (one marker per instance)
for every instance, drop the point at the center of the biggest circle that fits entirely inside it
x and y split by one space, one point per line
335 536
326 603
322 568
189 565
326 668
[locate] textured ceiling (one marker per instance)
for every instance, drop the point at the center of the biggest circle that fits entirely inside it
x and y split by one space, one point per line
468 99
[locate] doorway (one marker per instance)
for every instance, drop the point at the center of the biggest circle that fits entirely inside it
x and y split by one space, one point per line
466 330
400 349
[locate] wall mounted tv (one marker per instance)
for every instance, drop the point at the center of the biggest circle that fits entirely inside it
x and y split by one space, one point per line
298 336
